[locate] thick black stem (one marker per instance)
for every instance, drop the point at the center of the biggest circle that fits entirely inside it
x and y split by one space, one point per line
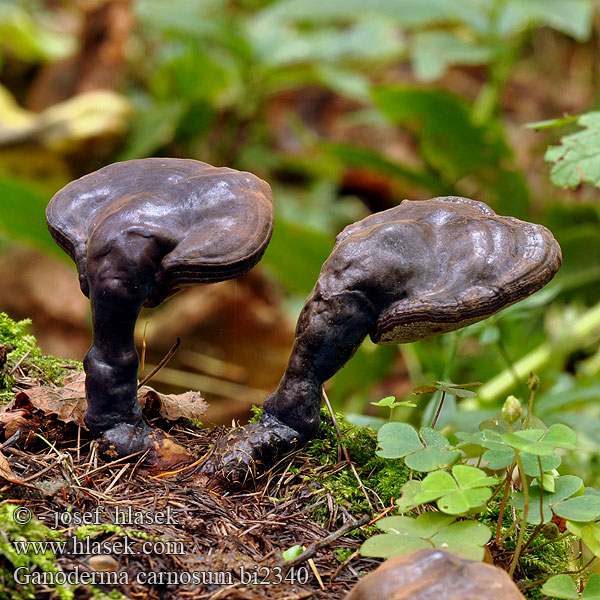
120 273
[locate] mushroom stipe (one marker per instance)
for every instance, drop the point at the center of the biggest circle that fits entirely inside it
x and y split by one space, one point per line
416 270
141 230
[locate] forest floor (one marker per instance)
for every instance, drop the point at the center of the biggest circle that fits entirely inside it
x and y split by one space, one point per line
168 536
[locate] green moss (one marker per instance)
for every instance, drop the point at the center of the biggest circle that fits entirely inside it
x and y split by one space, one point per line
383 477
22 350
11 559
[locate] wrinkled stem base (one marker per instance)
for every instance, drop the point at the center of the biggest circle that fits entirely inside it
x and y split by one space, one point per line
160 450
329 331
245 452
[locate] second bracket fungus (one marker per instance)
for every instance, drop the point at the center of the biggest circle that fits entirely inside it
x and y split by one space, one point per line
416 270
138 232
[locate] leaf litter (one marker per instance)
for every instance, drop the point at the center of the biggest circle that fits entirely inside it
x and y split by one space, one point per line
49 464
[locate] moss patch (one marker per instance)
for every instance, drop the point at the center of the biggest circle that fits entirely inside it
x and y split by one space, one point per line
19 349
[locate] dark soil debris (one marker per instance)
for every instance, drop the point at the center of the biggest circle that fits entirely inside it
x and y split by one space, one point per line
200 541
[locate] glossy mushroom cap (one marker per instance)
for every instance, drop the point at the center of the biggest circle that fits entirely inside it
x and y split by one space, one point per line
445 263
212 223
419 269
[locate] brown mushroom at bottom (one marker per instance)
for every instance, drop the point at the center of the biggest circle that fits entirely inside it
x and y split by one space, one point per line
138 232
416 270
432 574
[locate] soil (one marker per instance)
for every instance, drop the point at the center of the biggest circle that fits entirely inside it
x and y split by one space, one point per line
175 535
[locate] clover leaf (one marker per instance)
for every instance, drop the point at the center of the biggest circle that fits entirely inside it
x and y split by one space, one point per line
565 487
582 509
453 389
540 442
589 534
500 455
576 159
424 451
467 488
562 586
429 530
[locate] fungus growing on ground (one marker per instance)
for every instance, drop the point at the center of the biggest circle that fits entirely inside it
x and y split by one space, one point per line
416 270
139 231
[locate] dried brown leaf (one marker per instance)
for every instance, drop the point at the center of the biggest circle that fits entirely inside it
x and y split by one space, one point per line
68 402
20 418
189 405
6 473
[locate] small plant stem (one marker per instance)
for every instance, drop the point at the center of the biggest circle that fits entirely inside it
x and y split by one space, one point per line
586 326
529 413
534 533
479 460
168 356
61 457
541 523
504 501
525 485
540 581
507 532
536 548
439 410
345 451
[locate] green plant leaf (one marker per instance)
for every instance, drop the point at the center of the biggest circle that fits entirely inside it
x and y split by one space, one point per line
573 17
560 586
540 442
292 553
499 458
425 525
552 123
467 488
390 402
582 508
390 544
431 529
466 538
295 255
455 389
477 149
434 51
589 534
23 207
577 159
560 436
531 466
592 588
151 128
425 453
437 452
409 490
396 440
565 487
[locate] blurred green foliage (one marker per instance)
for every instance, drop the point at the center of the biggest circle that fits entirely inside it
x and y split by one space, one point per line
258 85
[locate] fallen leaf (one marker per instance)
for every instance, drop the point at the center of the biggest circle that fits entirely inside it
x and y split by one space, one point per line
20 418
67 402
189 405
6 473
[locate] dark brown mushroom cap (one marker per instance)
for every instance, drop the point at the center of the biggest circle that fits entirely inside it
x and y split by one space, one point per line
214 223
439 265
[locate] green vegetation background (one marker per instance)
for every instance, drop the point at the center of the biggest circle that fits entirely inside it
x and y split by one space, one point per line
348 107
